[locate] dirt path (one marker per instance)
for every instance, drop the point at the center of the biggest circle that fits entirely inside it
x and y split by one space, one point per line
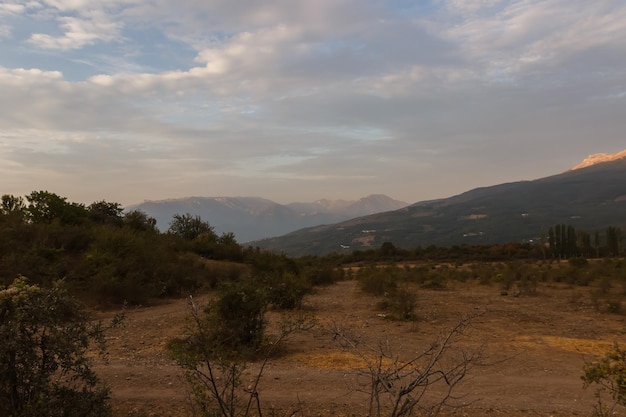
535 348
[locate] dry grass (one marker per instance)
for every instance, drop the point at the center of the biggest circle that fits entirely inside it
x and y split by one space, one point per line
536 348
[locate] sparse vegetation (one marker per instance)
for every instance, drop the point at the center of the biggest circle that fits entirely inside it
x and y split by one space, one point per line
401 303
377 281
108 257
218 350
424 383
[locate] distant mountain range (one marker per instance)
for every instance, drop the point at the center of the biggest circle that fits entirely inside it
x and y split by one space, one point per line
253 218
591 196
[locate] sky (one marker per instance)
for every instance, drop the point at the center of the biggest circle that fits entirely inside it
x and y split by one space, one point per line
297 100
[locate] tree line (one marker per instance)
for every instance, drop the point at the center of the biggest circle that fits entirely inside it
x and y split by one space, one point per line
564 242
560 242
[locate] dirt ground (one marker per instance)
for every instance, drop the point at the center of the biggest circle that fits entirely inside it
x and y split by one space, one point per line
534 351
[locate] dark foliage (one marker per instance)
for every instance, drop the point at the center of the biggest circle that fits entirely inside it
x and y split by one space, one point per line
44 367
102 253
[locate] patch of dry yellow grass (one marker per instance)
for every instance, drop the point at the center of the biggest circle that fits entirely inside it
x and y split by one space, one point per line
587 346
568 344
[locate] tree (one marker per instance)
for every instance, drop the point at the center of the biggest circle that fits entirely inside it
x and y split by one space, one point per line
104 212
572 246
563 241
13 206
44 367
558 240
583 241
387 250
614 240
191 227
45 207
227 248
139 221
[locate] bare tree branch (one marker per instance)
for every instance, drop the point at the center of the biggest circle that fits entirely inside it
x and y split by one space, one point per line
424 382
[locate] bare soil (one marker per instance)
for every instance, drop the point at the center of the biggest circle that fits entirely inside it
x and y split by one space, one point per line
535 348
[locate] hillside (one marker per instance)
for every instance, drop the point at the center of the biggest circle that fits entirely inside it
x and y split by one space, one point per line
253 218
588 198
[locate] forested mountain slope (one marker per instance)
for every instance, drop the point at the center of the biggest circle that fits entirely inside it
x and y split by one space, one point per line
589 198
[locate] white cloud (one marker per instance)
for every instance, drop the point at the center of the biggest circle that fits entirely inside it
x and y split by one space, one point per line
522 37
79 32
11 8
86 5
21 76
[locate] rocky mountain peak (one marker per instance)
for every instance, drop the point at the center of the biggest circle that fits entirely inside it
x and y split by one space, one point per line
599 158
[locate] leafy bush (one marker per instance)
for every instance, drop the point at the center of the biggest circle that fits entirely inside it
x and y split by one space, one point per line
214 375
44 367
214 272
323 275
236 319
400 303
287 290
377 281
609 374
191 227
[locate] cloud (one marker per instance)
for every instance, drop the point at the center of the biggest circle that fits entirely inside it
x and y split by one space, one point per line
359 94
523 37
11 8
79 32
192 17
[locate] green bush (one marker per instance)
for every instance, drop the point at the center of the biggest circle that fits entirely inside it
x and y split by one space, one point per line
44 366
323 275
418 275
286 291
236 319
401 304
377 281
609 374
